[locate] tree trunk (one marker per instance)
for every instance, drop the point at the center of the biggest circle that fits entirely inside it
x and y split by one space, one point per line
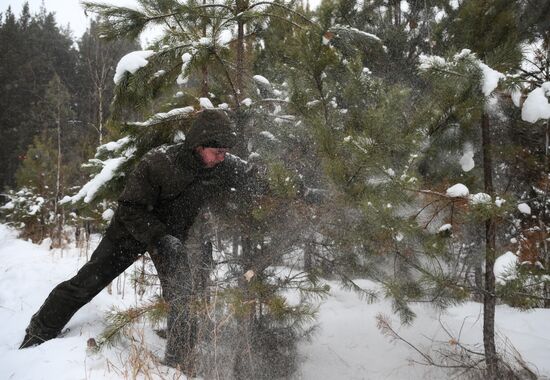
308 256
204 87
489 299
58 226
542 218
58 169
397 13
240 58
100 113
240 148
241 7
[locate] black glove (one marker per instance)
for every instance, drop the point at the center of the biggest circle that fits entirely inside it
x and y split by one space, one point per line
166 245
169 243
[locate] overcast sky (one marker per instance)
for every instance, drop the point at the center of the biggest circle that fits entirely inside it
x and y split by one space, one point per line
70 12
67 12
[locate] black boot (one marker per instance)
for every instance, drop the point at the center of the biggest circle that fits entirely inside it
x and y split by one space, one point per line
32 339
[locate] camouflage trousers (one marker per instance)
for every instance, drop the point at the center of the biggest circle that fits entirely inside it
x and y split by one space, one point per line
108 261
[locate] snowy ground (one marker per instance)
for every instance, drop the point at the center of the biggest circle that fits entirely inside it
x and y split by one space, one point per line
348 344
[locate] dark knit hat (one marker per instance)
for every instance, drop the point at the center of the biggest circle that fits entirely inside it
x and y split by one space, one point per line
212 128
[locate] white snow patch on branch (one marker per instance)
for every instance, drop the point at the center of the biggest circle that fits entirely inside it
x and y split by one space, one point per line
90 189
205 103
505 267
225 37
8 206
536 106
205 41
516 98
524 208
108 214
491 78
179 136
429 61
454 4
186 58
261 79
131 62
480 198
338 28
467 159
268 135
445 227
113 146
458 190
313 103
440 14
33 209
390 172
181 80
164 115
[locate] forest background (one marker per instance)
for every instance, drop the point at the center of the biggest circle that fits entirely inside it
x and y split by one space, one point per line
404 142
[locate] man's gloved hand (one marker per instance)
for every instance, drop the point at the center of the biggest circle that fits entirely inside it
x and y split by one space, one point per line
166 244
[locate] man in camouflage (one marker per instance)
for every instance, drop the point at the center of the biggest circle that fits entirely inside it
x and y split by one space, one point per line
159 204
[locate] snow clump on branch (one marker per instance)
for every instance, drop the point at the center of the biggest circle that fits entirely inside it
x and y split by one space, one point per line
131 63
458 190
490 77
163 116
480 198
90 189
505 267
467 160
206 103
261 79
109 169
537 106
524 208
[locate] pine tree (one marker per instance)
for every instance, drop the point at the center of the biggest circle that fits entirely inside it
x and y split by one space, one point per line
45 172
197 62
391 154
490 30
34 48
30 208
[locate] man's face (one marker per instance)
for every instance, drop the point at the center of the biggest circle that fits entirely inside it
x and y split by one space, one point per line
211 156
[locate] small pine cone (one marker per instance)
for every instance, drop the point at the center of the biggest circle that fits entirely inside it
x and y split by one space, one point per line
92 344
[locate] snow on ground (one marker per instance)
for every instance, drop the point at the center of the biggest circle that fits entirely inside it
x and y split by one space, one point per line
348 344
28 274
